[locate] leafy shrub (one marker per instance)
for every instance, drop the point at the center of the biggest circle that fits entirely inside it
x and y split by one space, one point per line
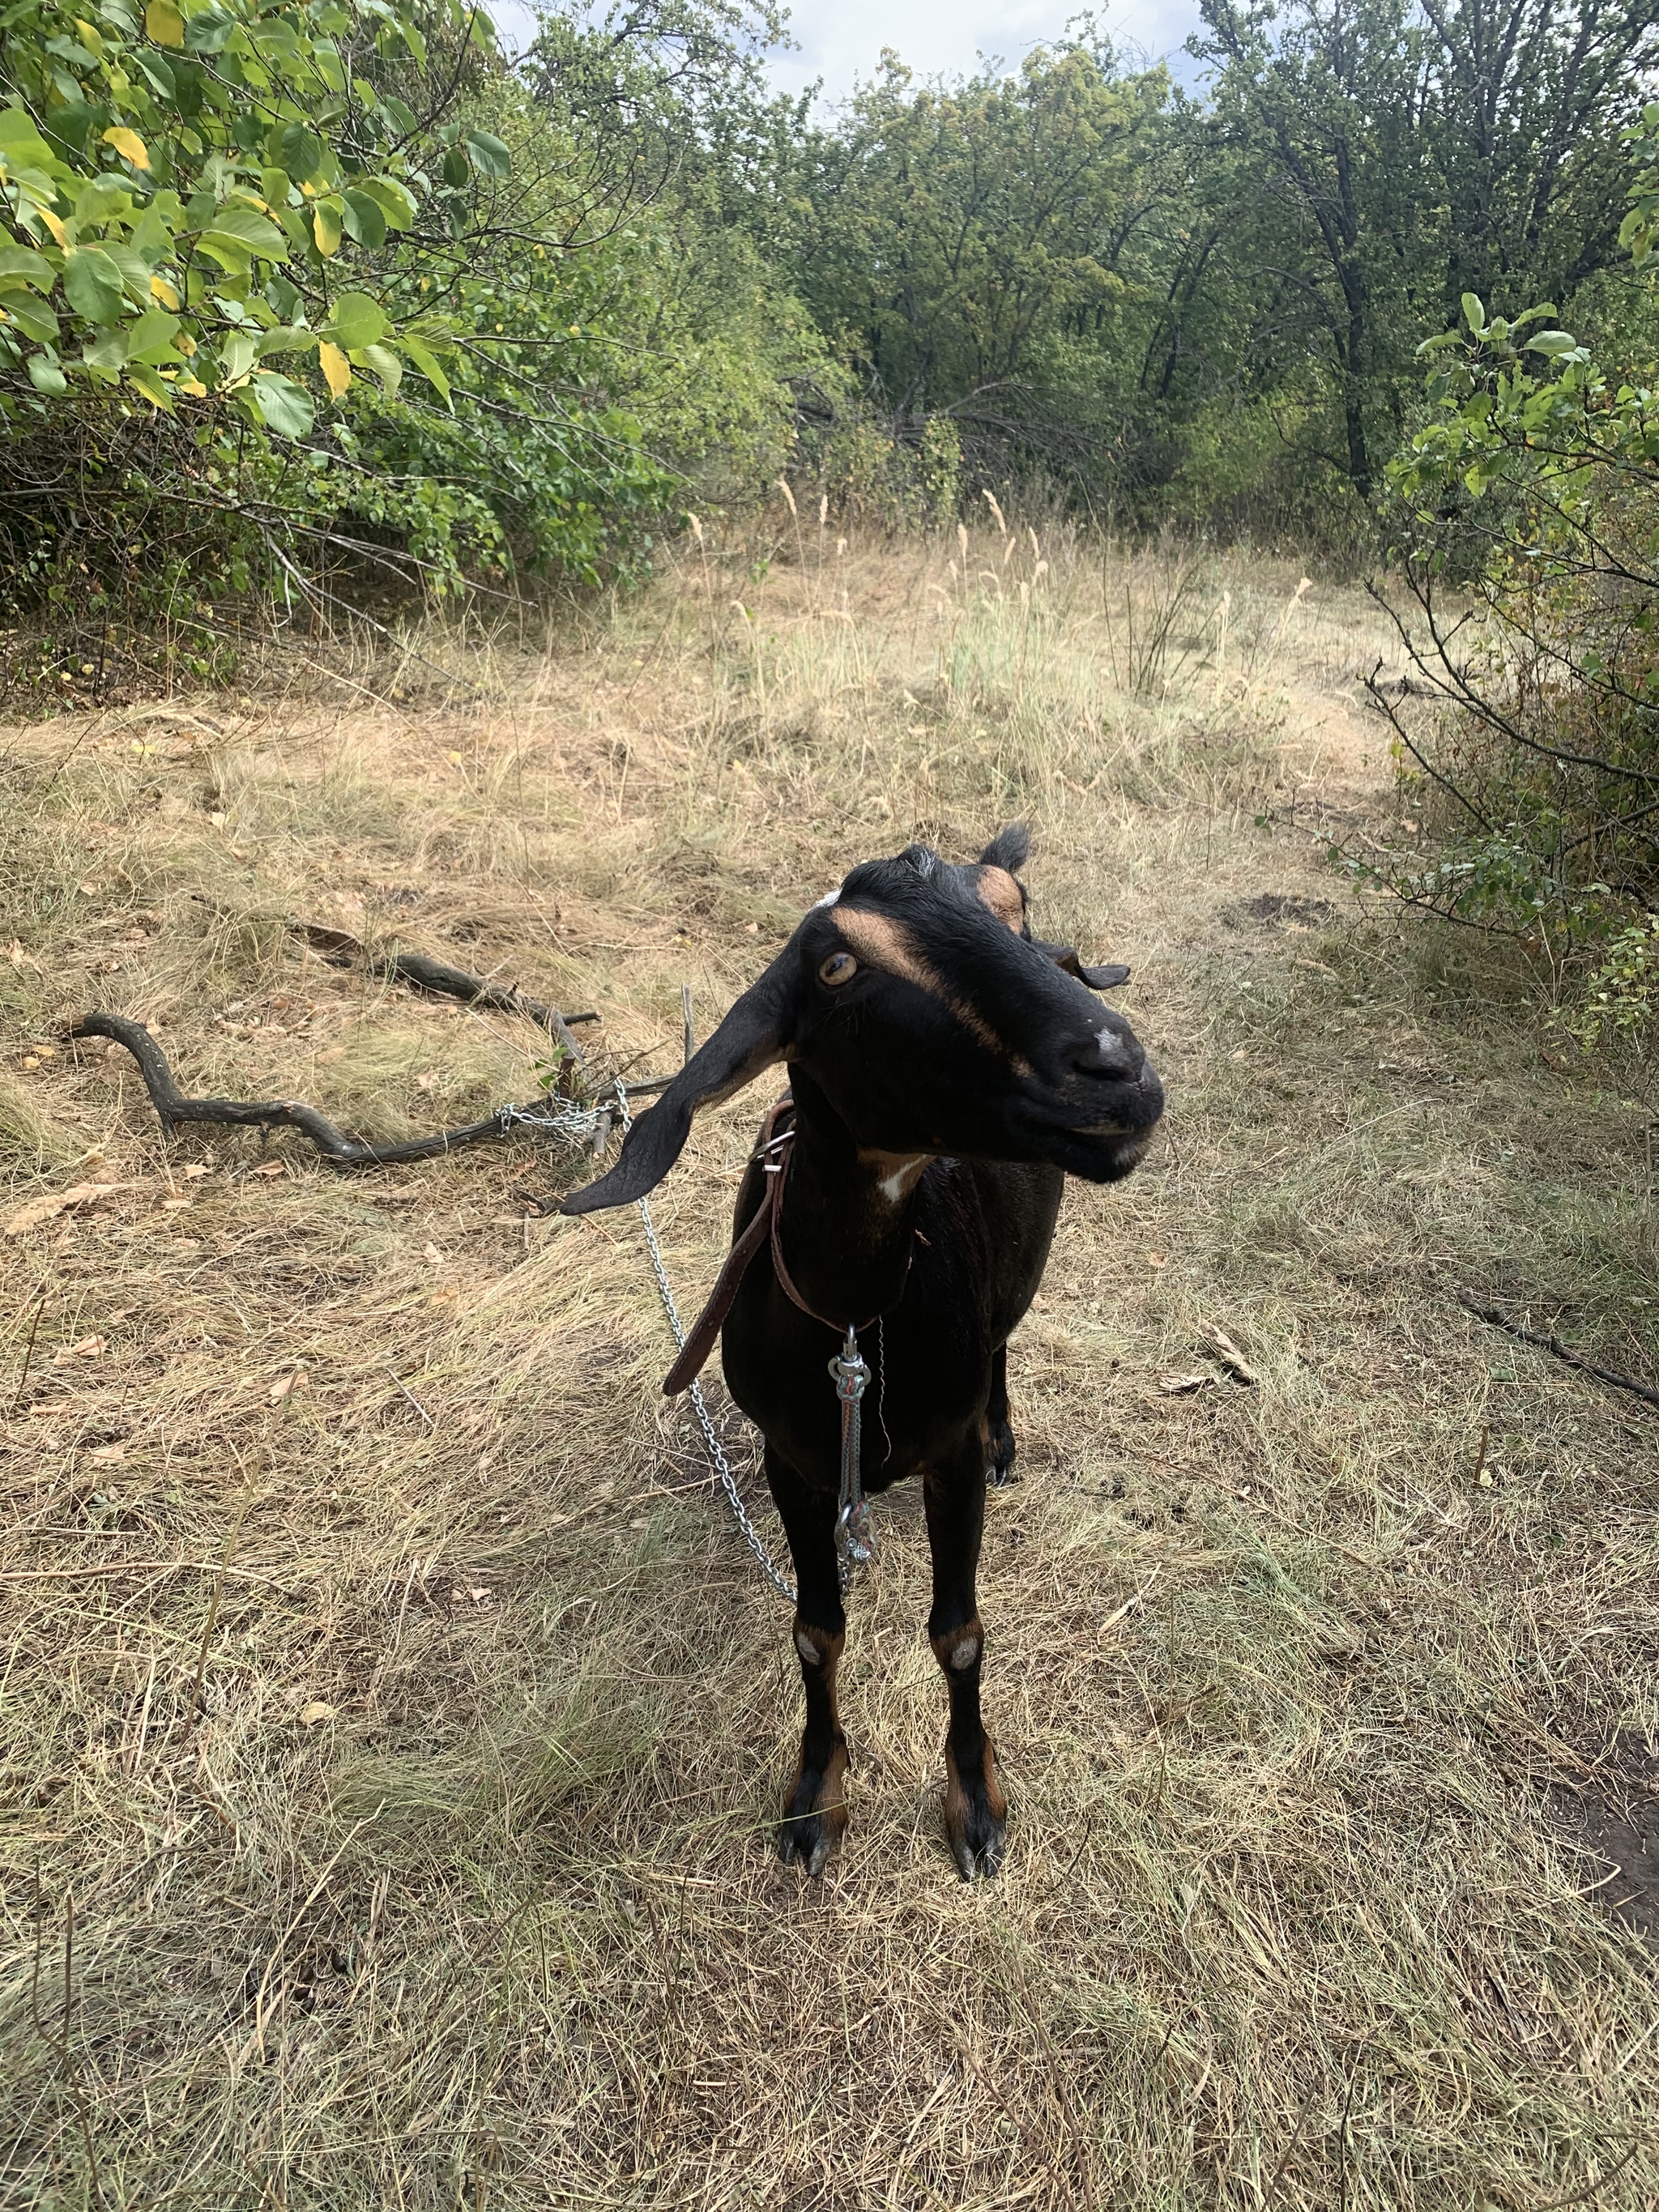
1530 733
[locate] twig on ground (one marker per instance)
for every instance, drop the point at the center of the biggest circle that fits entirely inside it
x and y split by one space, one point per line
339 1150
28 1351
1467 1300
343 950
410 1395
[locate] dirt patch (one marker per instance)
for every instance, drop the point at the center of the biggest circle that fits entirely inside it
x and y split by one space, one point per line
1289 909
1617 1819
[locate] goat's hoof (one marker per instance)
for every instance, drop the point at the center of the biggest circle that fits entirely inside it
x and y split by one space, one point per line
814 1815
999 1455
975 1817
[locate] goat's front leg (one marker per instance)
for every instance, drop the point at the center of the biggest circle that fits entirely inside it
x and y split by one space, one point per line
815 1803
976 1811
999 1447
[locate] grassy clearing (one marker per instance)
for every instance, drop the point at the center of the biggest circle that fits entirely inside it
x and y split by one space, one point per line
392 1722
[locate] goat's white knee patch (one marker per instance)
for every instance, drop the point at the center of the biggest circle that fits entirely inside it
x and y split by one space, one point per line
808 1651
964 1654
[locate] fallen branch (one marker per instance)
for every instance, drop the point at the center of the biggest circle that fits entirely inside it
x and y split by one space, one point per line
339 947
1553 1344
171 1108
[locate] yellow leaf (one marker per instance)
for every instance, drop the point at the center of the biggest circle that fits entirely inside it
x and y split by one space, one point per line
129 145
315 1713
191 386
335 367
161 289
164 23
53 225
326 228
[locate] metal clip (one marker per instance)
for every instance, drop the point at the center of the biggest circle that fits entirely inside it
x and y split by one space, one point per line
854 1539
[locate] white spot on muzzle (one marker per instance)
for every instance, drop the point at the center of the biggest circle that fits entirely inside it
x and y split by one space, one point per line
829 899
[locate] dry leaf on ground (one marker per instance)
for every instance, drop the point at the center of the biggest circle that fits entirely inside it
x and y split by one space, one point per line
1177 1386
42 1210
1227 1353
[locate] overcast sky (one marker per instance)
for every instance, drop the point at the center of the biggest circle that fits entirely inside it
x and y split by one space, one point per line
840 40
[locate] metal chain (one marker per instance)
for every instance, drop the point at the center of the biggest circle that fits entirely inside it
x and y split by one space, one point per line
577 1125
747 1528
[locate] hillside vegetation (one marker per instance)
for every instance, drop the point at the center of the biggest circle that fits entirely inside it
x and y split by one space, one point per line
393 1719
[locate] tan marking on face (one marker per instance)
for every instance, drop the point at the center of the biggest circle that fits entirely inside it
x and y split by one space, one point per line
997 890
882 943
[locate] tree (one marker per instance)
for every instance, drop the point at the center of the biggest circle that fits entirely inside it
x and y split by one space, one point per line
1417 151
965 244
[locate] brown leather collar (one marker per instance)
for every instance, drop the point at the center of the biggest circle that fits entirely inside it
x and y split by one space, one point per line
774 1152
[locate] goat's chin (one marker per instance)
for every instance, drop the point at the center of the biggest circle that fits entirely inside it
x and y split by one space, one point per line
1102 1155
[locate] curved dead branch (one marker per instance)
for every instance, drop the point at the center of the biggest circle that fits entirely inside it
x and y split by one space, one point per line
338 1149
339 947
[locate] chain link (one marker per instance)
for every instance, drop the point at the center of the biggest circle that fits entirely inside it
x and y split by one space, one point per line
747 1528
576 1125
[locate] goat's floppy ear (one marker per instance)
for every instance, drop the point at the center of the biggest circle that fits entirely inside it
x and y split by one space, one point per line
750 1038
1097 979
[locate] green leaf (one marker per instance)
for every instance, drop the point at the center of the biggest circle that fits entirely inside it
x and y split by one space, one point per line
237 356
21 146
32 317
154 387
426 361
395 202
386 365
363 219
19 266
1553 341
46 376
150 339
108 354
489 155
92 284
131 268
1474 313
285 405
300 153
208 30
287 338
240 222
357 322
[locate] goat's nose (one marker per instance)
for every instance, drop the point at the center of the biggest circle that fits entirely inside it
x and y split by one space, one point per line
1109 1055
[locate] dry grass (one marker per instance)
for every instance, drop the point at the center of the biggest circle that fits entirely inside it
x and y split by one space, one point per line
386 1770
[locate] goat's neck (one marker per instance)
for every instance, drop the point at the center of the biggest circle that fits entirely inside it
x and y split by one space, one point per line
849 1214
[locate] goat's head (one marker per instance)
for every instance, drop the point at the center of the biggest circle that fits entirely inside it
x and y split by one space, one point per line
917 1000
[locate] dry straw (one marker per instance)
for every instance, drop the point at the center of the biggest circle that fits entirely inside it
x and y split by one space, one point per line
392 1720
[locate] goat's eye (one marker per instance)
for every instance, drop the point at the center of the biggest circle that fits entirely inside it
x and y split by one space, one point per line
839 968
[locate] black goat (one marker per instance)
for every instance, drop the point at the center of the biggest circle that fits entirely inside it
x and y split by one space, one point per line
948 1071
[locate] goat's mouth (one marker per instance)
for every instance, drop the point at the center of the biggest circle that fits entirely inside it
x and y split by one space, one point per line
1103 1155
1106 1146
